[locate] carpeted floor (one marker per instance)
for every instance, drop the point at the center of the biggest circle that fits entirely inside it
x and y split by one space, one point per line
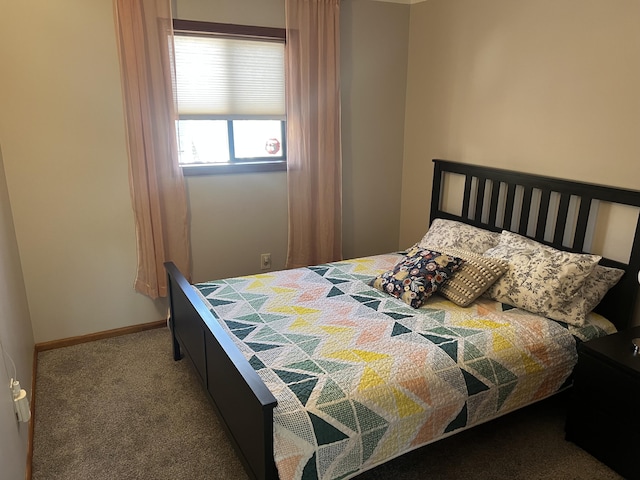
121 408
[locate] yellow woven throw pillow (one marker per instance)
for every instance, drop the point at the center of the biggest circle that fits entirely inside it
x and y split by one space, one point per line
473 278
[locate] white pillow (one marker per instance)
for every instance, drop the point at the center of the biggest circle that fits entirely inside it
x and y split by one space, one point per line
541 279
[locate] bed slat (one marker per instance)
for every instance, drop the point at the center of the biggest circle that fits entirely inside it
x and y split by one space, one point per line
493 206
581 227
508 215
467 195
482 183
526 209
561 221
543 214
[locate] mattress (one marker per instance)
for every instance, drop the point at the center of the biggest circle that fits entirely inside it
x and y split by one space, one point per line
361 377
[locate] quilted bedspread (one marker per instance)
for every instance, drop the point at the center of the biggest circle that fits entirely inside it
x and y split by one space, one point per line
361 377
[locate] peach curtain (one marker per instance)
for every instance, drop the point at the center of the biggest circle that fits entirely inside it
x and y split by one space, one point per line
145 43
313 131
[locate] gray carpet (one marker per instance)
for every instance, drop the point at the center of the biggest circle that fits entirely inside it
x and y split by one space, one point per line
121 408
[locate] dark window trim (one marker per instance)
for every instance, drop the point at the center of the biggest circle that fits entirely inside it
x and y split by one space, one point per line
239 167
187 26
195 27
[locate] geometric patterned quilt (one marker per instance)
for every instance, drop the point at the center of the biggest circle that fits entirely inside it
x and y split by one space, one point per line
361 377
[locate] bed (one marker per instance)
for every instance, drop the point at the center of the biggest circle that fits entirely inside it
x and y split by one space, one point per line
305 392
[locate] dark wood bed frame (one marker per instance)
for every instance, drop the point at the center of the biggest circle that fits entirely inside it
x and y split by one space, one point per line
242 400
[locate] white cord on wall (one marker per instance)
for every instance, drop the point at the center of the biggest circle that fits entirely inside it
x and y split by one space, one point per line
20 400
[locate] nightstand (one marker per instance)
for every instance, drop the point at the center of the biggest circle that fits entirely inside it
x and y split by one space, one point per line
603 416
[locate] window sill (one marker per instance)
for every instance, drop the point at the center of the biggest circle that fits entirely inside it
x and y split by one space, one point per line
239 167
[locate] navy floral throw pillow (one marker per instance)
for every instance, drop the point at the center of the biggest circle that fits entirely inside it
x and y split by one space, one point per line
418 275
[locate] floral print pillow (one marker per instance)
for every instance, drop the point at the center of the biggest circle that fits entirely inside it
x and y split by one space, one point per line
593 290
448 233
541 279
418 275
601 280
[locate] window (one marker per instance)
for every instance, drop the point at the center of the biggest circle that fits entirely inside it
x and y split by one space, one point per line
230 95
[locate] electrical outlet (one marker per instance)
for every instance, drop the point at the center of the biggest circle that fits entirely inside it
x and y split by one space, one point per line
265 261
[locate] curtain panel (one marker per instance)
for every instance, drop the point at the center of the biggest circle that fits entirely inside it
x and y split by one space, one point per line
314 157
145 46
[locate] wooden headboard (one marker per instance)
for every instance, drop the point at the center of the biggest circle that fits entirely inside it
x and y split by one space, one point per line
556 212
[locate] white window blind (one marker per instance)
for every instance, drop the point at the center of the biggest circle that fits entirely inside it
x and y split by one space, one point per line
229 78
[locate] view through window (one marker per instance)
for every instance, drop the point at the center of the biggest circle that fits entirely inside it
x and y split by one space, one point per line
230 93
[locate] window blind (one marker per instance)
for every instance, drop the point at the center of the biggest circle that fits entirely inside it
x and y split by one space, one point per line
229 78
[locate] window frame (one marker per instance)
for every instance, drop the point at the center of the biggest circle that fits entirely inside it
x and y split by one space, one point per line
259 164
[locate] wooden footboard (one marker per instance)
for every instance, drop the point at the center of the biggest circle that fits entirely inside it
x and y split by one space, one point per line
243 402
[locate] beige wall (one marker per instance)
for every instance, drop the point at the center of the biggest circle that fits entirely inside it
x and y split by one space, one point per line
264 13
543 86
62 132
374 55
235 218
16 341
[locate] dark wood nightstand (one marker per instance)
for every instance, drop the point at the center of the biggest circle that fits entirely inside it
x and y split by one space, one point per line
603 417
